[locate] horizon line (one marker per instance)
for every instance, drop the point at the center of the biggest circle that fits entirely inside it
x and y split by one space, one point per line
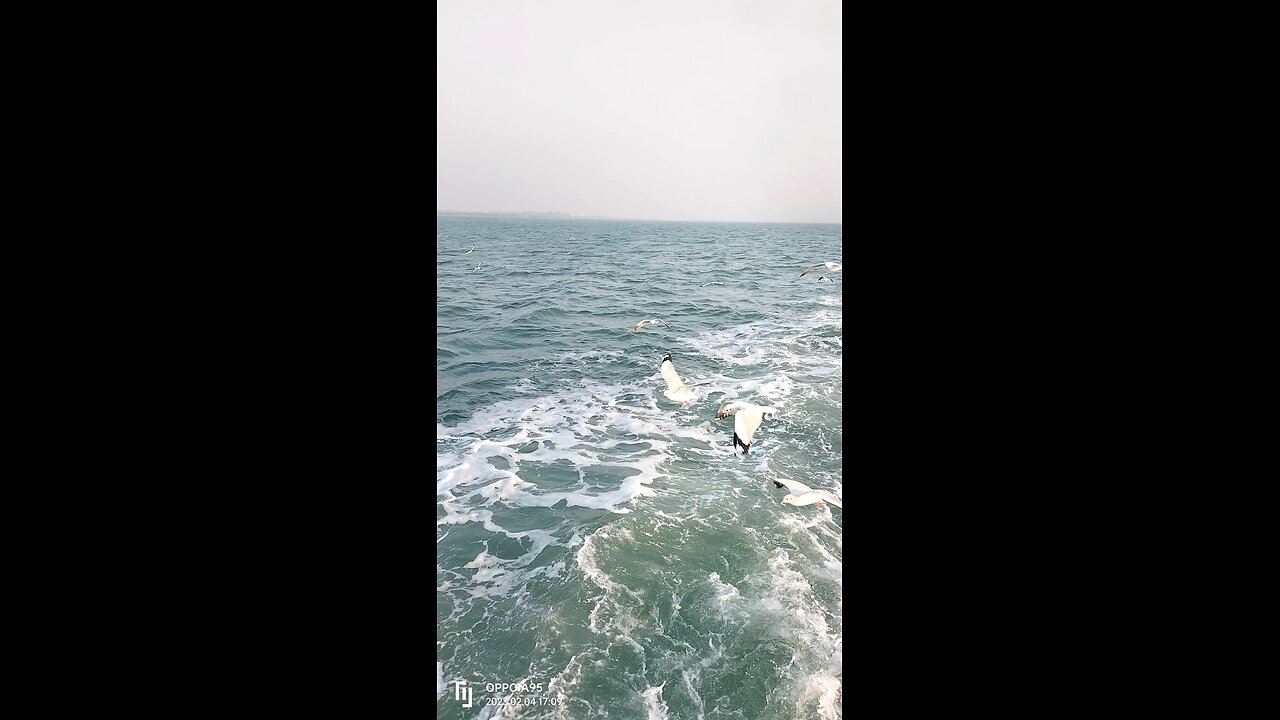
555 215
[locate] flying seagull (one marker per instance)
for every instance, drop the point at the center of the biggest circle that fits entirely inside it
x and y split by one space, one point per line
748 418
830 266
802 494
825 277
711 283
676 389
473 249
642 323
477 266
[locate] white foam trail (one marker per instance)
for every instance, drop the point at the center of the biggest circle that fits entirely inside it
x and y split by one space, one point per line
654 707
592 430
562 683
587 563
798 613
728 599
821 689
778 389
773 342
495 576
439 680
607 601
685 674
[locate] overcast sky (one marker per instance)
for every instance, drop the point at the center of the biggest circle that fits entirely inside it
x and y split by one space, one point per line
645 109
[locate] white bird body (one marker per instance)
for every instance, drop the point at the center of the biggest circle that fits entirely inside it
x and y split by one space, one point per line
830 266
747 418
676 389
642 323
802 494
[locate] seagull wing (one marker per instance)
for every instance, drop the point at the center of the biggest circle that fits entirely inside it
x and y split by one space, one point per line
746 421
831 498
812 497
668 370
655 321
811 268
796 488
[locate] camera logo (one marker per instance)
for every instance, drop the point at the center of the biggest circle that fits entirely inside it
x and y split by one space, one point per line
458 694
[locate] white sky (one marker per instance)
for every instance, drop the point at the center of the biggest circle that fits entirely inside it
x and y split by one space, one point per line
645 109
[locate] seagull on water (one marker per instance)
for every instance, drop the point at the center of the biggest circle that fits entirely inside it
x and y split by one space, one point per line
830 266
747 419
642 323
802 494
676 389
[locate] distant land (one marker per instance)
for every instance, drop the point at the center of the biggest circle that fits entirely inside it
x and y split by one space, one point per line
516 213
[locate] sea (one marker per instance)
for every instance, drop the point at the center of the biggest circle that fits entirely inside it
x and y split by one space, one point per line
601 551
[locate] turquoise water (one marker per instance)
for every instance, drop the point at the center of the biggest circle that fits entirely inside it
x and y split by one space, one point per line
599 543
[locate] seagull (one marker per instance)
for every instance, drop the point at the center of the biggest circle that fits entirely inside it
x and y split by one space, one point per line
711 283
677 390
830 266
477 265
802 494
744 425
473 249
642 323
825 277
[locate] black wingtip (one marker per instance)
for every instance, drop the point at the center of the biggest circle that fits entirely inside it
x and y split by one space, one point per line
737 442
778 484
668 357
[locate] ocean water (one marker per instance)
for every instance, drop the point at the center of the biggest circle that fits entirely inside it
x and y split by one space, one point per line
599 544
